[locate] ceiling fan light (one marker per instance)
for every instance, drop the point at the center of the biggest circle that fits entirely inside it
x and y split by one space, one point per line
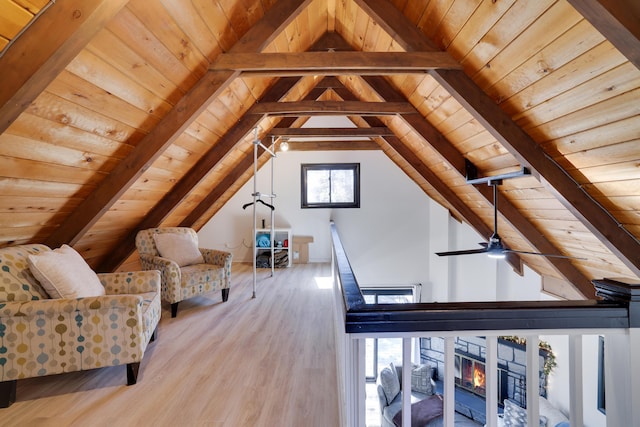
496 255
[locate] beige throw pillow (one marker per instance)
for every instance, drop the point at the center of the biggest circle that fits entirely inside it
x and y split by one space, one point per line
178 247
63 273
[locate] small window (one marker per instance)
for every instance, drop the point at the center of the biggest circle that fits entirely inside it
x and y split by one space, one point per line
333 185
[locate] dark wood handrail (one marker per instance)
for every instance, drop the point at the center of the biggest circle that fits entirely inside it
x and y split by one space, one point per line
620 299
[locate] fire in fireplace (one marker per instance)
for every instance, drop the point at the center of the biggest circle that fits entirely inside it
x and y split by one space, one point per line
470 375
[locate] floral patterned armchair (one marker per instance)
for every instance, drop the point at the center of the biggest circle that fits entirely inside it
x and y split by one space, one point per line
186 269
43 336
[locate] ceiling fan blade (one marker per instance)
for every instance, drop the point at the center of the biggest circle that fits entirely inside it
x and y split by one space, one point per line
465 252
546 255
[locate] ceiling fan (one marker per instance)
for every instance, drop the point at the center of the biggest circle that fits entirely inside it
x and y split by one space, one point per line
495 248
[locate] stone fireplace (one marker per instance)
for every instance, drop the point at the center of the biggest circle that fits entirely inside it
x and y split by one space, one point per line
469 369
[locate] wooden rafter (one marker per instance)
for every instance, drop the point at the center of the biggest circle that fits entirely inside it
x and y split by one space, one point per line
333 145
329 132
37 57
460 208
617 20
316 108
195 175
319 63
509 212
592 215
205 204
171 126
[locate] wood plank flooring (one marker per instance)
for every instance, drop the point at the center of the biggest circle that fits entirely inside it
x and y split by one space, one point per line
268 361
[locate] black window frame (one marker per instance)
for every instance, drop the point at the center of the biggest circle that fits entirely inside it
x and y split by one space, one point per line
355 167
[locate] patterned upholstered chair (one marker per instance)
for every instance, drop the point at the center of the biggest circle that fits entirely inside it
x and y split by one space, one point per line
186 269
40 335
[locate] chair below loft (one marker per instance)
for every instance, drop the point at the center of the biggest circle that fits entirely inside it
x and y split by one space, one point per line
186 269
57 316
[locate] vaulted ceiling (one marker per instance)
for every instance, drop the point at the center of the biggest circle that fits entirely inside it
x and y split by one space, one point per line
120 115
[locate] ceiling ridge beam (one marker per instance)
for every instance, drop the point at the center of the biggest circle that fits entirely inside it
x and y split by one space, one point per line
178 119
195 175
572 195
40 54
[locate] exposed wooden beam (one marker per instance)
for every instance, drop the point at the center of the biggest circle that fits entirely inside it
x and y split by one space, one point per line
569 192
617 20
332 145
335 62
221 188
509 212
46 48
459 207
205 204
172 125
592 215
338 132
195 175
306 108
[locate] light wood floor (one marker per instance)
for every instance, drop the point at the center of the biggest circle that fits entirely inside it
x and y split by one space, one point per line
268 361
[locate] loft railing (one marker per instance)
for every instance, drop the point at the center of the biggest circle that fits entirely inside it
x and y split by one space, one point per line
616 316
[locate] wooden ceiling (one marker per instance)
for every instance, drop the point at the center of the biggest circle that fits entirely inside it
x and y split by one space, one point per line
120 115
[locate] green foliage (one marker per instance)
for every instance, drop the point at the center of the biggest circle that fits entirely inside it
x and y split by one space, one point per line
550 358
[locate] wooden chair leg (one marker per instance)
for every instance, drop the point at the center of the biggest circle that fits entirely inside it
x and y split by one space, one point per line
174 309
154 335
7 393
132 372
225 294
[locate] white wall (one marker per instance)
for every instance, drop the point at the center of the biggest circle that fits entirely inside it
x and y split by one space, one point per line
386 239
390 240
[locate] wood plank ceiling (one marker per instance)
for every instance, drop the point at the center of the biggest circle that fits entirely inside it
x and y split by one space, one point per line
134 114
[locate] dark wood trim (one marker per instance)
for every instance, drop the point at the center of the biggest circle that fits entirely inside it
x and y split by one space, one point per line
37 57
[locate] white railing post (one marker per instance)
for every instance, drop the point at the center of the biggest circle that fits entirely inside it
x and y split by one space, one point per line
491 381
621 378
576 413
406 382
360 382
533 380
449 382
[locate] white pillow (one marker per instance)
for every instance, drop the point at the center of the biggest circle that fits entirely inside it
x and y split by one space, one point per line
63 273
553 414
390 382
178 247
